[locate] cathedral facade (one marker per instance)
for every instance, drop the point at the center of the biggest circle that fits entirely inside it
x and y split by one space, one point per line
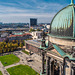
60 52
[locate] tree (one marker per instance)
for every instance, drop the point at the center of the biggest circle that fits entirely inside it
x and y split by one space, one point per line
13 41
38 30
21 45
31 30
12 49
6 47
0 50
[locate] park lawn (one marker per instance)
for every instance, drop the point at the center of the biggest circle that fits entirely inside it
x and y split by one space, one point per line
25 52
9 59
21 70
0 73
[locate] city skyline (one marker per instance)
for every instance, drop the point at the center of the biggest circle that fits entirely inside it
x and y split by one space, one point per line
22 10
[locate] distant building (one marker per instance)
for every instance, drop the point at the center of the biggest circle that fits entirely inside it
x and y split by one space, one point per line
36 35
20 37
14 25
33 22
37 27
4 35
3 39
14 29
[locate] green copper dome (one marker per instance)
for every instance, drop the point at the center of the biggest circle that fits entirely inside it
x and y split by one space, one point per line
63 23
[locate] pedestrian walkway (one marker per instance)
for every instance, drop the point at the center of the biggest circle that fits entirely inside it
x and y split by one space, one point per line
12 65
33 63
3 70
37 57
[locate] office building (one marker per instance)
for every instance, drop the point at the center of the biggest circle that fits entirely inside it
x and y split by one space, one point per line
33 22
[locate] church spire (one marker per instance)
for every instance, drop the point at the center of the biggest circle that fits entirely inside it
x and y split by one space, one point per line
72 2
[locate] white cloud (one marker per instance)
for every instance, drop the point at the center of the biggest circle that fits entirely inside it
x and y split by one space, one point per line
28 15
42 11
43 8
43 18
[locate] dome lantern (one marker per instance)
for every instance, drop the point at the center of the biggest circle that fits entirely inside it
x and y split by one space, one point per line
72 2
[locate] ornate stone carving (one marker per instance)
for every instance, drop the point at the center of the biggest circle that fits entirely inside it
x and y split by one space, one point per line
73 52
43 39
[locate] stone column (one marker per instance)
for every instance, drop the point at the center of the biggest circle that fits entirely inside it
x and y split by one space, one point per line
70 66
60 66
47 65
72 71
52 68
43 65
60 73
64 66
67 66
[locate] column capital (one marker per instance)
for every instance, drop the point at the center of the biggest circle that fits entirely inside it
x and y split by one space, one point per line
60 63
51 60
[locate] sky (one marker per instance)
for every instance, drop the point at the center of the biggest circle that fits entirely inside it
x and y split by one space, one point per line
22 10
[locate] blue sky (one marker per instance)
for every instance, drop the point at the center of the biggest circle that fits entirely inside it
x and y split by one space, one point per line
22 10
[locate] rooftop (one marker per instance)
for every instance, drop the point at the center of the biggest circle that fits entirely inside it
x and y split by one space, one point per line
34 42
20 35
